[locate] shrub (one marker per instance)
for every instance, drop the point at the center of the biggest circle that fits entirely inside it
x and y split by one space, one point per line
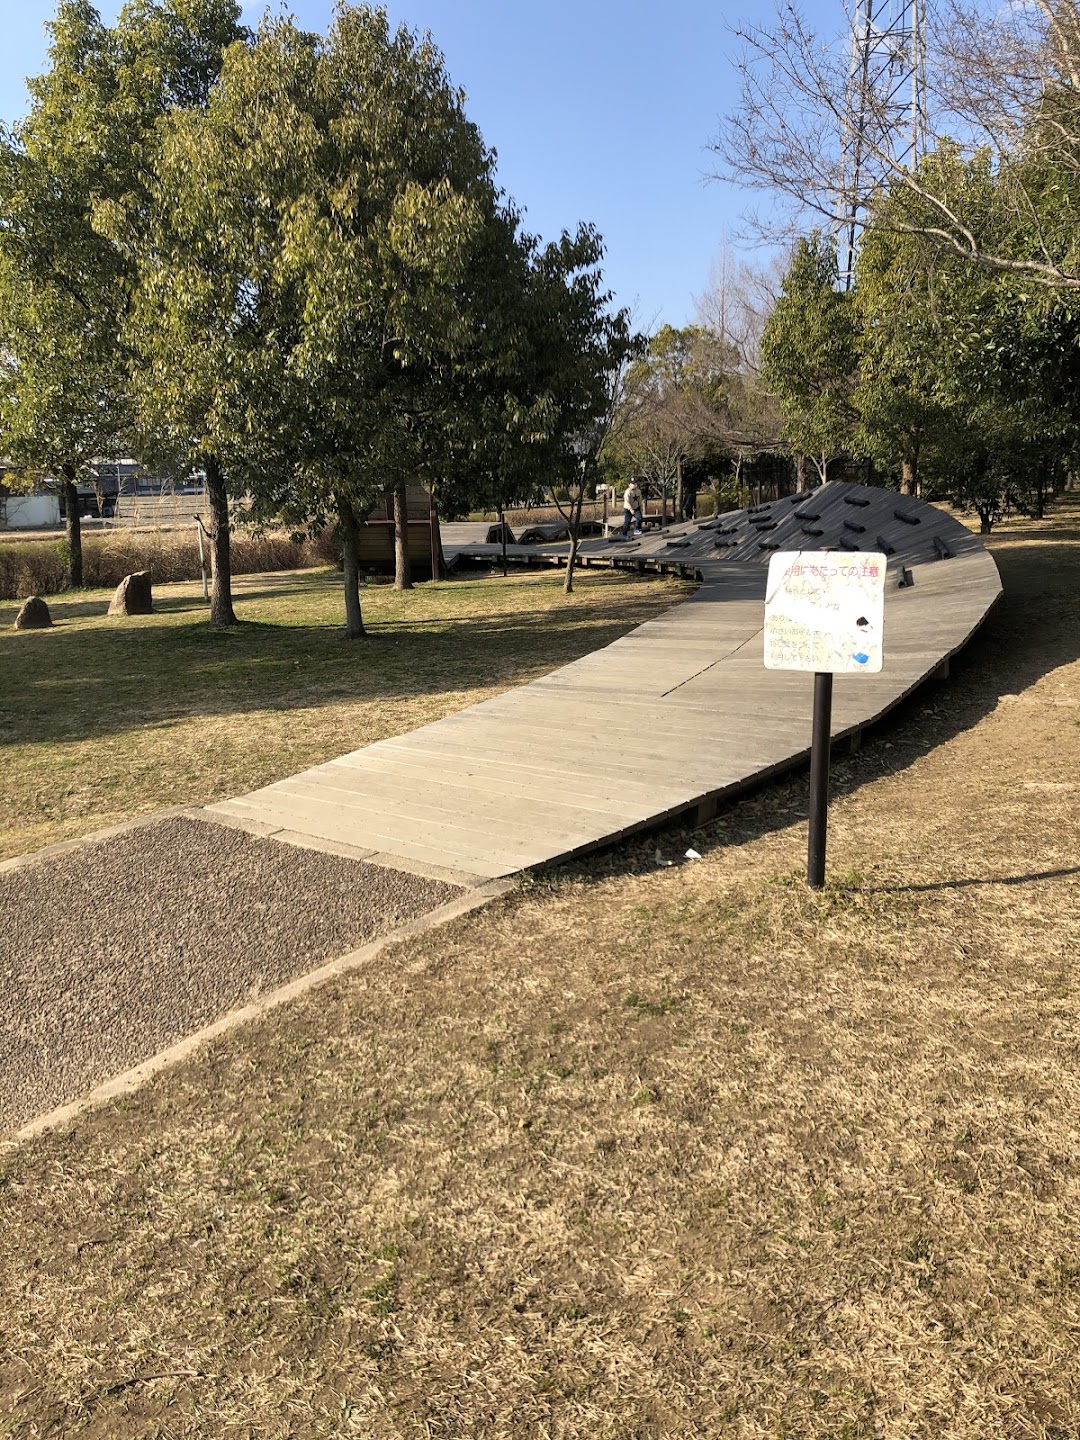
40 567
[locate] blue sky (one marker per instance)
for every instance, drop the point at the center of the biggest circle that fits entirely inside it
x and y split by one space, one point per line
599 111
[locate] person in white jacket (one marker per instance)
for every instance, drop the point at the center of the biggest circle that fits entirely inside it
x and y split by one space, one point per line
631 509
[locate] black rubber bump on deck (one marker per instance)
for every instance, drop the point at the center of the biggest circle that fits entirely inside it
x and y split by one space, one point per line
855 500
768 545
906 579
941 550
848 545
809 530
807 515
851 525
907 517
884 546
760 525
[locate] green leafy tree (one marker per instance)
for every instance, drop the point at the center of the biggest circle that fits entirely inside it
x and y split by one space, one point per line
313 297
62 374
920 315
580 353
809 358
73 189
1012 424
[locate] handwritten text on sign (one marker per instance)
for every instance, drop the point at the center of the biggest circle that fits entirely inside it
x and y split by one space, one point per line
825 611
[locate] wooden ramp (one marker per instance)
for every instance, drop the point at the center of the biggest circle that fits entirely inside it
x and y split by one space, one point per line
684 702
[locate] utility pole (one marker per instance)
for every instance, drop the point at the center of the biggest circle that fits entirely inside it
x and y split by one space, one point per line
885 113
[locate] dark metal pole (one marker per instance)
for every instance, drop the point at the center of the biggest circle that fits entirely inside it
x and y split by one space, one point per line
433 535
819 780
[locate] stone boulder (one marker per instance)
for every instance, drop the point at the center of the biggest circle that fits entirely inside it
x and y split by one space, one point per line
34 615
133 595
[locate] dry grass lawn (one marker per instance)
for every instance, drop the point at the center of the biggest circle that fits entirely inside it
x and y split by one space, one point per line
103 718
638 1151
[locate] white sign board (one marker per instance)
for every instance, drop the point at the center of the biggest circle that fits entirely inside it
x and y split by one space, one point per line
825 611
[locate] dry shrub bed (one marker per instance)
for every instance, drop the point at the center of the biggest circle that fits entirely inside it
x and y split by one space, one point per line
40 567
639 1151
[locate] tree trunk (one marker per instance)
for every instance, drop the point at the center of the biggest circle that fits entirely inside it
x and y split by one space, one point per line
909 475
221 606
680 498
800 474
502 537
350 536
1040 488
74 528
437 561
402 559
575 535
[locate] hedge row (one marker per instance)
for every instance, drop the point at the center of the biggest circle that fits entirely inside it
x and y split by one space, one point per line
40 567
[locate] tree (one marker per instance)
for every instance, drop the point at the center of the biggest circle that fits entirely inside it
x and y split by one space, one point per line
1005 80
1012 423
311 268
927 322
72 205
580 352
62 375
809 357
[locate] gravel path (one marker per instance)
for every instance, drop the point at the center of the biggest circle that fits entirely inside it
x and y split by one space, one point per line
112 951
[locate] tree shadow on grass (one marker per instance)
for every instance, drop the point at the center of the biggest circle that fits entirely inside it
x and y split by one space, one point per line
971 881
1058 534
73 683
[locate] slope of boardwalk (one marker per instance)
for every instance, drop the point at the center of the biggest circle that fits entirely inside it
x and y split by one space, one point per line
672 717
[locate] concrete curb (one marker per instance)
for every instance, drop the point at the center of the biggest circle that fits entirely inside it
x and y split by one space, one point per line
131 1080
260 831
385 859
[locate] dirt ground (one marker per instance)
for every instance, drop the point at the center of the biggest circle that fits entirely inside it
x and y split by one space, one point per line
641 1150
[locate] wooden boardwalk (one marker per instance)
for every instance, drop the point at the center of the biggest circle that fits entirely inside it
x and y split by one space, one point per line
683 703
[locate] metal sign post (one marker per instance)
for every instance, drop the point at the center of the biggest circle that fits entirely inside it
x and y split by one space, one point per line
819 780
825 613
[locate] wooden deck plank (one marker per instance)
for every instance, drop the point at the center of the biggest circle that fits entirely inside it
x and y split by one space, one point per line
430 796
435 849
683 701
593 790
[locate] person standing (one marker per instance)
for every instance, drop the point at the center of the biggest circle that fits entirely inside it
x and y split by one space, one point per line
631 508
689 499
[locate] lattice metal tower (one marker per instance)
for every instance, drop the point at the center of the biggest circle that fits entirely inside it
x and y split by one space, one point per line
885 117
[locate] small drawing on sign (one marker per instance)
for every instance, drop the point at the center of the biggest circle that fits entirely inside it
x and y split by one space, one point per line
825 612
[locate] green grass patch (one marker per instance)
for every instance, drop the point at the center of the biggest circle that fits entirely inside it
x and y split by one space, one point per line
105 717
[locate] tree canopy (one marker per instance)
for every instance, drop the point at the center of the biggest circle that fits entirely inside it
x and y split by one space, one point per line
283 258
